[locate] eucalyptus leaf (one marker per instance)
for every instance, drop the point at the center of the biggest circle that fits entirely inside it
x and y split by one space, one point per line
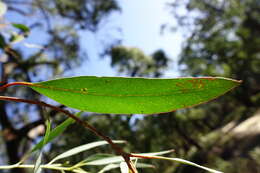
82 148
37 165
109 167
21 27
55 132
115 166
187 163
106 159
47 133
124 168
79 170
2 42
120 95
15 38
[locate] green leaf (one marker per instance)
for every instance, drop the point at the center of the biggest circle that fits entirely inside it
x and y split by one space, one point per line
109 167
37 165
2 42
144 165
47 133
79 170
106 159
186 162
124 168
81 148
97 156
115 166
15 38
37 168
102 159
54 133
21 27
121 95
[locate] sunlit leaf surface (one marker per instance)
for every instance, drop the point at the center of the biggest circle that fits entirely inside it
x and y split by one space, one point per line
119 95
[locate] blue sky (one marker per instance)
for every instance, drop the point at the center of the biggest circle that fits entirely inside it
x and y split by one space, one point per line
139 23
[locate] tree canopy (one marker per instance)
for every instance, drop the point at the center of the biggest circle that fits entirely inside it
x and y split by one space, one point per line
54 27
222 38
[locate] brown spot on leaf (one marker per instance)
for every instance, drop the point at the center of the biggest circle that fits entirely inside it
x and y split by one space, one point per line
84 90
179 84
197 83
209 78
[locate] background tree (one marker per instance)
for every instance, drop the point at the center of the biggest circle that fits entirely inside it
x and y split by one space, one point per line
222 39
54 25
128 61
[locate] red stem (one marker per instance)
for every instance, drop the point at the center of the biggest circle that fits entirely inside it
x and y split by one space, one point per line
15 83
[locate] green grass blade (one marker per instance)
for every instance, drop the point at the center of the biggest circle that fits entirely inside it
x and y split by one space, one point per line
120 95
54 133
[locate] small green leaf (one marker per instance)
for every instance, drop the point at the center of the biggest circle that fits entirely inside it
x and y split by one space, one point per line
144 165
120 95
106 159
37 165
21 27
114 166
97 157
15 38
109 167
2 42
124 168
80 149
79 170
187 163
47 133
55 132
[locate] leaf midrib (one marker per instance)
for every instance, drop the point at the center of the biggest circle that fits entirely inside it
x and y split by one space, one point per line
176 92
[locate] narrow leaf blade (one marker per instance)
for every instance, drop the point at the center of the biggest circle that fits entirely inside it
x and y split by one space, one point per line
55 132
82 148
21 27
124 168
115 166
47 133
187 163
37 165
117 159
120 95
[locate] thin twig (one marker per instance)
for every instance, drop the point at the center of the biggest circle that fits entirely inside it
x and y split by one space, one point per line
15 83
116 148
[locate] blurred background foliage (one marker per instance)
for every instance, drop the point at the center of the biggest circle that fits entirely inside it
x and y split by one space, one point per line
222 38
